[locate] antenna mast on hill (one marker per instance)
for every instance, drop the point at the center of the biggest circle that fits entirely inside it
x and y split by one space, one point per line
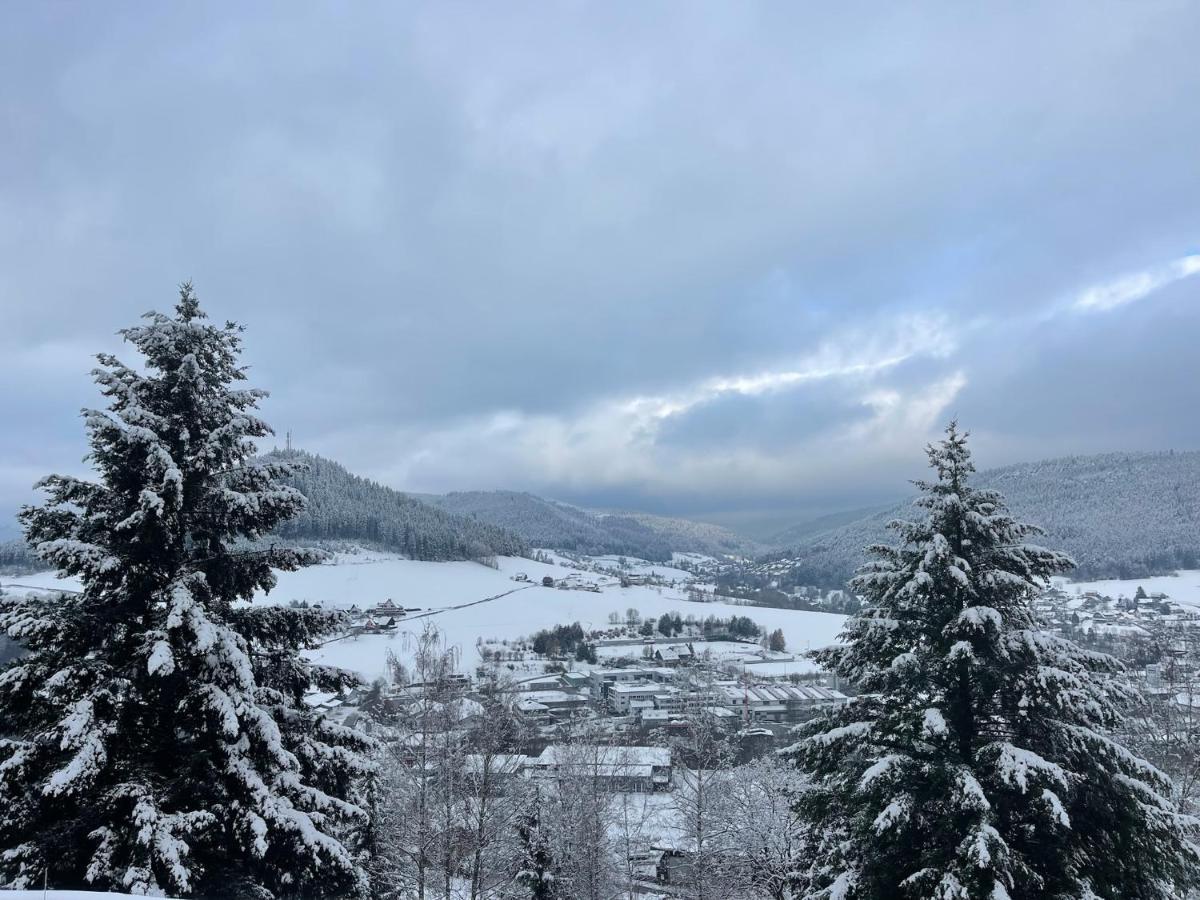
289 441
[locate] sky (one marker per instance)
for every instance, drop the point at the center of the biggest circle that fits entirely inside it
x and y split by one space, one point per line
716 260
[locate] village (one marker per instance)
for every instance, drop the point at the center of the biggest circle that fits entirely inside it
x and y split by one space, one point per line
638 689
1156 637
618 707
615 711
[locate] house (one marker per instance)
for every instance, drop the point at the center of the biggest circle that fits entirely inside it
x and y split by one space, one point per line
373 625
626 698
500 769
557 703
387 610
579 681
723 716
323 700
539 712
541 683
653 718
674 655
604 679
636 769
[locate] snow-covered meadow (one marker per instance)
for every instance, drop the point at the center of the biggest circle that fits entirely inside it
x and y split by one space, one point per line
368 578
437 586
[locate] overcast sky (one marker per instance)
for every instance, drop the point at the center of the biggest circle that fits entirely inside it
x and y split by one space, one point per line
678 257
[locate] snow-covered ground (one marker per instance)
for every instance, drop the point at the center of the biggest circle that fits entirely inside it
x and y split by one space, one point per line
641 567
440 585
798 666
47 580
369 578
1183 587
519 614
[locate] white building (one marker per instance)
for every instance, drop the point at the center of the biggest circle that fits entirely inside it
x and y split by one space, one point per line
641 769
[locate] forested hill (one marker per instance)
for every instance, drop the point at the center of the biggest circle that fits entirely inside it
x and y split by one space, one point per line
688 536
560 526
797 534
343 506
1120 515
546 523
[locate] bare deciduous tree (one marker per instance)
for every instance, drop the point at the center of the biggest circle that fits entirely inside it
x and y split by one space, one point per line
699 799
420 772
766 836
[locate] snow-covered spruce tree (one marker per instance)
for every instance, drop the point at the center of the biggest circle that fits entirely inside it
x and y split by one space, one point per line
536 872
155 738
975 762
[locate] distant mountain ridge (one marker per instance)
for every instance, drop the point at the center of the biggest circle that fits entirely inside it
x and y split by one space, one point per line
1120 515
560 526
691 536
792 536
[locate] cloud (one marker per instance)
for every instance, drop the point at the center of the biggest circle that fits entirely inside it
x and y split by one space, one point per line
1135 286
649 255
858 352
656 449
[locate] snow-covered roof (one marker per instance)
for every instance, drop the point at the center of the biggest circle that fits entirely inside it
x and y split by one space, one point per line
553 696
322 699
642 688
620 770
720 712
502 763
556 754
618 673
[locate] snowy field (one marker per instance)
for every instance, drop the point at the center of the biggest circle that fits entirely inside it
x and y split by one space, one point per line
1183 587
369 578
799 666
641 567
440 585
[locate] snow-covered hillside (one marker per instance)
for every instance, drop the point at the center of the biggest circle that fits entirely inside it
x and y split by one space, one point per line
436 586
369 578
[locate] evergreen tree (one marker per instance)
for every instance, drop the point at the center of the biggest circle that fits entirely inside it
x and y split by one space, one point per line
975 764
156 735
536 873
